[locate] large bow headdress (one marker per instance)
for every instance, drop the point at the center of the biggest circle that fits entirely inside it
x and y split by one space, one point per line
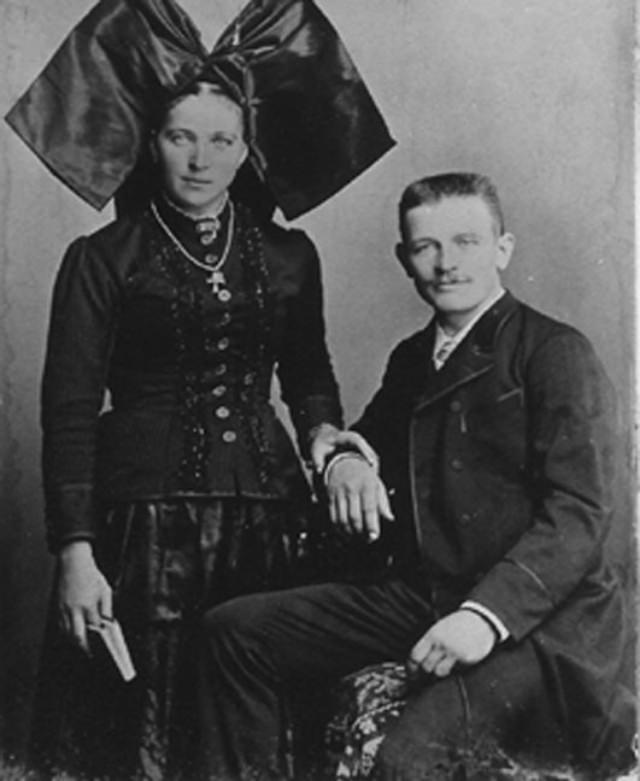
312 124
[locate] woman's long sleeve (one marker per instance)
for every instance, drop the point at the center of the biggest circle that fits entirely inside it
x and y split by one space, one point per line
309 387
73 391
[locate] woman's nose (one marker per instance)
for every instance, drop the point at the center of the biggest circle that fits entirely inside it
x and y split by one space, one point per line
200 156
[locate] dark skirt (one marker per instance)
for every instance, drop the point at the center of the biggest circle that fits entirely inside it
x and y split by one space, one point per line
168 562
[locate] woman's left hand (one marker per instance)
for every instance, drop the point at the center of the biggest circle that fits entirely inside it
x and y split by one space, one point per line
327 439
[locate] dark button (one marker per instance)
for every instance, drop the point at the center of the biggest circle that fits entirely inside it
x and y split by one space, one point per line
222 413
248 379
229 436
223 343
210 258
456 464
465 518
225 319
207 238
220 369
455 406
219 390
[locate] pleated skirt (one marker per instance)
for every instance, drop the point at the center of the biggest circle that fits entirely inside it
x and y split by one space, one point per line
168 562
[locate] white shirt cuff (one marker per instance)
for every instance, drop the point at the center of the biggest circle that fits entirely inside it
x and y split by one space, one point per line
492 618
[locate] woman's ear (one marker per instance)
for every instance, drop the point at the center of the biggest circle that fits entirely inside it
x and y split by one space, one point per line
153 147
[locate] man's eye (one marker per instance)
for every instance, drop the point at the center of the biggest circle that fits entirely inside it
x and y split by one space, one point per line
179 139
466 241
423 249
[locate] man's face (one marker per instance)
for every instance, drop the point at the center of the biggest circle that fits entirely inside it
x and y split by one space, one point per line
453 253
199 148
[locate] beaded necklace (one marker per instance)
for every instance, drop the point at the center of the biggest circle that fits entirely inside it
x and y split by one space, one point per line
216 277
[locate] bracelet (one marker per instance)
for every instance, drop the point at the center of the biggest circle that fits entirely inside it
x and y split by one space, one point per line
336 459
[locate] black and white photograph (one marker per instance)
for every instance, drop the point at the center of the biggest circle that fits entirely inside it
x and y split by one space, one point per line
318 390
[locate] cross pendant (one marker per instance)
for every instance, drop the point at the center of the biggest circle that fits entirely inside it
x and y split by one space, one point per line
217 281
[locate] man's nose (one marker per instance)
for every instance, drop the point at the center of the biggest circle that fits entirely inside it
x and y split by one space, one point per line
446 259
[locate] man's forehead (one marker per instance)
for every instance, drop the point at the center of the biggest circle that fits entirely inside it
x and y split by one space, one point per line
455 212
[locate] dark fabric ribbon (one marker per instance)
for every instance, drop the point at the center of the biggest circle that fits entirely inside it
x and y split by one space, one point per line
312 123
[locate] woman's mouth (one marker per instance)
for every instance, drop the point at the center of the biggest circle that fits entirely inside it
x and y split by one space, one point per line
195 182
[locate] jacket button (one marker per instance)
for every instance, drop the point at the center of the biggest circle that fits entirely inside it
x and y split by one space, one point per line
456 464
222 413
229 436
219 390
223 343
221 369
455 406
465 518
225 318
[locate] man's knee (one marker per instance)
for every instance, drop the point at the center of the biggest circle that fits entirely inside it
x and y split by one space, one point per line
234 625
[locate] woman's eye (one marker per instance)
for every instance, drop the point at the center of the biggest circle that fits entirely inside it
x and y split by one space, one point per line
179 139
222 142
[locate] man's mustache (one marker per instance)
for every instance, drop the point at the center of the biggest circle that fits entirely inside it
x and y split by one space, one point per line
445 278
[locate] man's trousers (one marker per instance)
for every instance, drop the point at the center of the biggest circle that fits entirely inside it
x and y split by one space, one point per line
259 650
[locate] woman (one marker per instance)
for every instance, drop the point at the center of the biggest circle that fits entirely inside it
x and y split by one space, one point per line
188 490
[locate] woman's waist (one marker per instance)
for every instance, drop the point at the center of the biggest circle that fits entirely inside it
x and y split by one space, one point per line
171 391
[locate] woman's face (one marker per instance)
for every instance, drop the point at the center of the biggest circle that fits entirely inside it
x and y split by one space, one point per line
199 148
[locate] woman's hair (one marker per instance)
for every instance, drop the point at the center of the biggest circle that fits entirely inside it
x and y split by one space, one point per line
433 189
201 87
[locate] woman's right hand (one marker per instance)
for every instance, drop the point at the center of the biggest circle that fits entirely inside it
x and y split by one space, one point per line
84 595
358 500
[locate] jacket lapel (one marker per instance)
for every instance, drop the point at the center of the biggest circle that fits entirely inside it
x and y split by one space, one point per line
474 356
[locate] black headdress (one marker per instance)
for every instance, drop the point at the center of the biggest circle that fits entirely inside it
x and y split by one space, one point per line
312 123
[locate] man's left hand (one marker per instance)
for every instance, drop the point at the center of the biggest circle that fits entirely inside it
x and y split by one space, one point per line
462 637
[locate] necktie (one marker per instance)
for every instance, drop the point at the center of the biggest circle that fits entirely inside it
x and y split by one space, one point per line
443 352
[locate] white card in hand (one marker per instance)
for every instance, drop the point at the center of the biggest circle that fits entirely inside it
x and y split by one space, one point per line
114 641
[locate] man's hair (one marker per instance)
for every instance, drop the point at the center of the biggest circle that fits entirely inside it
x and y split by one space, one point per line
433 189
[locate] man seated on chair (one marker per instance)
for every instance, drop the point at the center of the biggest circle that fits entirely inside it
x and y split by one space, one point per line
495 430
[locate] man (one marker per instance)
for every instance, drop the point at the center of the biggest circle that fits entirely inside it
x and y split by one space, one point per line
494 428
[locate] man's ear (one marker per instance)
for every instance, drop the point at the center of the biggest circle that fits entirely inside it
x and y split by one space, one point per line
506 245
401 254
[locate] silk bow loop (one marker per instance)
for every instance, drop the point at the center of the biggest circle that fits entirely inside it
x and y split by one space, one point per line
312 125
315 124
86 114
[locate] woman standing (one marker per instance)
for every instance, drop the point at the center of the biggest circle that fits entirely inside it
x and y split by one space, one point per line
184 489
188 490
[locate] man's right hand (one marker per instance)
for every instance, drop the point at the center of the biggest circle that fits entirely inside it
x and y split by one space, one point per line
84 595
358 500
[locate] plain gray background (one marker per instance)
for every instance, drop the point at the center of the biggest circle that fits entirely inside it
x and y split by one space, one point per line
539 95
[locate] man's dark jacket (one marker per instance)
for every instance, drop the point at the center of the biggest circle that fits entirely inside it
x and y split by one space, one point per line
504 462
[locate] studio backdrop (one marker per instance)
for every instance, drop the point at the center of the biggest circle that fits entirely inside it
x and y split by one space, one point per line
537 94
